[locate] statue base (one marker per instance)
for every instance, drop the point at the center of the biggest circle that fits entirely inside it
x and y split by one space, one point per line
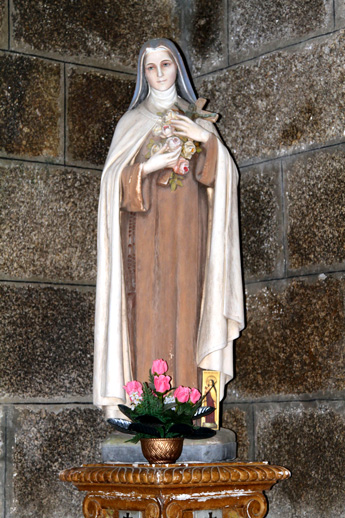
196 490
221 447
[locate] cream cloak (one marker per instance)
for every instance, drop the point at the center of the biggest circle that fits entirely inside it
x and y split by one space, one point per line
222 313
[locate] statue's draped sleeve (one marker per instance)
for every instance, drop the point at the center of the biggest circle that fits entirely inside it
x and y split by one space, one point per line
205 171
132 189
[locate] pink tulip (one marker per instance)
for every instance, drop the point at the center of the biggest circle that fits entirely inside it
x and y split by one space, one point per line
133 386
162 383
182 394
195 395
159 367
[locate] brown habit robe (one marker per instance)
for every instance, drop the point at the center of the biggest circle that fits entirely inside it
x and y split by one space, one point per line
164 239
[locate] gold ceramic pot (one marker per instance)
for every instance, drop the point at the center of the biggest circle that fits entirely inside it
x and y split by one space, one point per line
162 451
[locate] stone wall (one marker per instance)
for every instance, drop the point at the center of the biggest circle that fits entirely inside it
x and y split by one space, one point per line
275 72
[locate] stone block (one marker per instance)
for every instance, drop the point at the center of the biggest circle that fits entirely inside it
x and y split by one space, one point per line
49 222
339 14
96 101
93 31
47 340
308 439
315 210
43 443
261 221
294 340
31 108
3 24
239 419
2 460
205 24
274 106
258 27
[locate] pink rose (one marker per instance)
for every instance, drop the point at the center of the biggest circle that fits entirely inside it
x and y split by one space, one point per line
194 395
182 166
133 386
159 367
162 383
182 394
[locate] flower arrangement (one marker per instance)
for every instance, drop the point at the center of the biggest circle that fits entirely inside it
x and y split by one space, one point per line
163 132
159 411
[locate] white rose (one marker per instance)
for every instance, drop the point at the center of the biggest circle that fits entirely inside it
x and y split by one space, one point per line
170 114
173 143
167 130
188 149
155 148
157 130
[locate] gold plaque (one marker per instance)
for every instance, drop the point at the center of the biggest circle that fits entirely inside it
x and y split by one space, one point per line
210 388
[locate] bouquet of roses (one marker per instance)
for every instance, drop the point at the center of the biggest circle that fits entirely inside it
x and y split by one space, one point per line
163 133
157 410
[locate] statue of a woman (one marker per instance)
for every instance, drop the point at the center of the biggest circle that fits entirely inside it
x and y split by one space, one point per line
169 279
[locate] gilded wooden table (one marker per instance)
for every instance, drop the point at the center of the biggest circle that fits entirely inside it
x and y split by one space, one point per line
190 490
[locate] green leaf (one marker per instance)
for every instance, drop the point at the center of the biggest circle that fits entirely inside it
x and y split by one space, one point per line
121 425
168 406
152 431
149 419
127 411
201 432
203 411
181 429
135 439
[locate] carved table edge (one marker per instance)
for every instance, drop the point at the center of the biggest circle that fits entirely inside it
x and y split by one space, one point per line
170 475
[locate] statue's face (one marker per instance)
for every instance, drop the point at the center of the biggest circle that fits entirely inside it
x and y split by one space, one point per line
160 70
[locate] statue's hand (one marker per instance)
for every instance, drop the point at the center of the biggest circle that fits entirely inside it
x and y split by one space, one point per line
161 160
185 127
